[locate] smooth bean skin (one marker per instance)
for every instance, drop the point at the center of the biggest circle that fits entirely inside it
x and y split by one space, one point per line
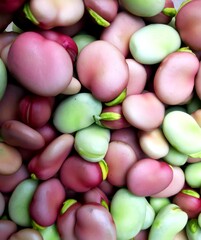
19 202
146 50
48 162
18 134
80 175
2 204
35 111
158 203
7 228
182 132
149 216
46 202
168 222
82 40
94 221
175 185
153 143
96 195
189 201
165 82
57 14
192 174
76 112
55 74
11 159
143 9
106 9
158 176
128 212
66 219
119 158
138 110
9 182
121 29
105 83
137 77
26 233
91 143
188 25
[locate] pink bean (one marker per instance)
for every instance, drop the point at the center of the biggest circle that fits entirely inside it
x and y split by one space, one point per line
148 177
144 111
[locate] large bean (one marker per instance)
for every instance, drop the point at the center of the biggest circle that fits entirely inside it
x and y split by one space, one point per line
168 222
7 228
46 202
19 202
108 81
128 212
148 177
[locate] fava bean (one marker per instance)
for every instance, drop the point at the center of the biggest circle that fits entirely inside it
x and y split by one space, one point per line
7 228
168 222
19 202
192 174
193 230
2 204
128 212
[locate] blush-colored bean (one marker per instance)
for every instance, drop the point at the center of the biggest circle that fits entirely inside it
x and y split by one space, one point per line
18 134
188 200
175 185
7 228
197 82
187 22
54 75
10 6
9 182
66 219
26 233
46 202
119 158
48 162
153 143
35 111
148 176
143 111
105 9
94 221
80 175
121 29
73 87
137 77
109 76
11 159
166 85
96 195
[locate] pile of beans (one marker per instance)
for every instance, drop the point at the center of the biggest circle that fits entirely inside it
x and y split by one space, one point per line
100 120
